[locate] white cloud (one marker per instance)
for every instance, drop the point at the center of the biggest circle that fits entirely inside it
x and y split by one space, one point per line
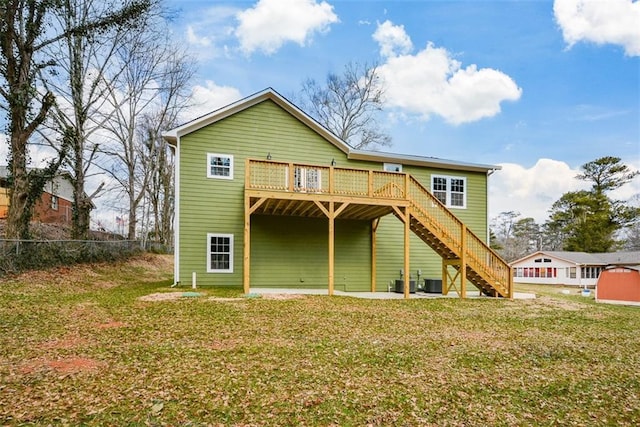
194 39
393 39
272 23
4 149
432 82
601 22
209 32
532 191
210 97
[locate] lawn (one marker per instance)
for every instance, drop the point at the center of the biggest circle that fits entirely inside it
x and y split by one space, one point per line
79 346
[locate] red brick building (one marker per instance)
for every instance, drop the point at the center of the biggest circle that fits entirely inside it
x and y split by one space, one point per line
55 204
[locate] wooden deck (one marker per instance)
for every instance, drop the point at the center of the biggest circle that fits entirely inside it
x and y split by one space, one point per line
298 189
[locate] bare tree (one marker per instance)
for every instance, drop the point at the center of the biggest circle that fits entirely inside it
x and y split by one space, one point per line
515 237
348 105
24 34
84 59
157 157
143 99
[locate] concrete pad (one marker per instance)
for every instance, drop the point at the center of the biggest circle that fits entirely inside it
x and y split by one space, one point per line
376 295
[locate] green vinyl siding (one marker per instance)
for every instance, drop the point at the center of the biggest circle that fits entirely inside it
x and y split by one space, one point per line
293 252
290 251
353 256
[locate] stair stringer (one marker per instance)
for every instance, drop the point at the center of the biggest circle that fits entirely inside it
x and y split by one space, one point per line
443 232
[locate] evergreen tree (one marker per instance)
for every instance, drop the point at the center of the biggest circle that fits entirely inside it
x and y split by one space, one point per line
588 220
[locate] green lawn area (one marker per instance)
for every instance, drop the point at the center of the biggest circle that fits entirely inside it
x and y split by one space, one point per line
78 346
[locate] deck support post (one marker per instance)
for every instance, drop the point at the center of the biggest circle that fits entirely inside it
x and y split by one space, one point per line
407 238
374 251
445 277
246 259
331 246
463 262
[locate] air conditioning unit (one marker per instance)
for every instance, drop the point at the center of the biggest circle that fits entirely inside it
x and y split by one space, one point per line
399 288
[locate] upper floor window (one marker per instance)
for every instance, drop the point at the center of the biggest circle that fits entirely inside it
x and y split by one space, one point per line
54 202
219 166
450 190
307 179
392 167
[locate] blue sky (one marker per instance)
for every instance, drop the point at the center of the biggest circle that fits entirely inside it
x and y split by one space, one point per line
537 87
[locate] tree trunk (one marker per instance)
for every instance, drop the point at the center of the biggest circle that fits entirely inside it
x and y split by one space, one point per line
131 234
19 214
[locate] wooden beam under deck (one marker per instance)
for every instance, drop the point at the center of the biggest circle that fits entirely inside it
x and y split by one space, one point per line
311 205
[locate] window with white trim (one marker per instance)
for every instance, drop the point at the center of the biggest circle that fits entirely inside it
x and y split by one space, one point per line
307 179
219 253
450 190
392 167
219 166
54 202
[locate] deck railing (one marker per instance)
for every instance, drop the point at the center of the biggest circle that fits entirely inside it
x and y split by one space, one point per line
300 177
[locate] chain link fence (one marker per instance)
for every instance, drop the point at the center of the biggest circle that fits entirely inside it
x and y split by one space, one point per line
22 255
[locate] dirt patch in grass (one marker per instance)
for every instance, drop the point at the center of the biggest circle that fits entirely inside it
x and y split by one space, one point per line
283 296
112 324
172 296
74 365
162 296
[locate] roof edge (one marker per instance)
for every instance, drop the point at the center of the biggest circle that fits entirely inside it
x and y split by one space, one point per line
408 159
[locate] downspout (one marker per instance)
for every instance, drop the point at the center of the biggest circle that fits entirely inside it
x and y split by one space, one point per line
176 214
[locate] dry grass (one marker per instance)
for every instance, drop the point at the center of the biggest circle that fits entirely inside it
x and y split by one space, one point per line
76 351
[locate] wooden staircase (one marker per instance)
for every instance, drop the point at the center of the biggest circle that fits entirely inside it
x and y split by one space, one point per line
464 255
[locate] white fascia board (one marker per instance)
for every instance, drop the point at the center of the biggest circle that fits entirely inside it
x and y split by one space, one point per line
423 161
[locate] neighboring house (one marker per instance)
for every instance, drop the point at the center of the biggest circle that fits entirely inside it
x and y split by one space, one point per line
4 201
267 197
568 268
619 285
55 204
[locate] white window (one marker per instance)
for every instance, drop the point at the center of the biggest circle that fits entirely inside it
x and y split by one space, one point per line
54 202
219 253
392 167
307 179
219 166
450 190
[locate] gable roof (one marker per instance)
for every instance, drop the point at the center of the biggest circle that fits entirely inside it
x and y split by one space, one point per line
172 136
584 258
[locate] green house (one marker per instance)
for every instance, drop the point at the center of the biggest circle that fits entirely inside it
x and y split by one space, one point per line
267 197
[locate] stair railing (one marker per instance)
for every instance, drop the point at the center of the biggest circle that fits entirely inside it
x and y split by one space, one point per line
448 228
